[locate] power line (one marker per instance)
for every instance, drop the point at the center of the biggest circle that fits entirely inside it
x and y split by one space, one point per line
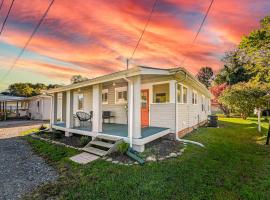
148 20
3 25
1 4
200 28
28 41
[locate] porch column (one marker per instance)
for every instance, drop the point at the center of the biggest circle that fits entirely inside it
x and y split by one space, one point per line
134 111
0 106
53 109
97 108
64 105
69 111
17 108
172 91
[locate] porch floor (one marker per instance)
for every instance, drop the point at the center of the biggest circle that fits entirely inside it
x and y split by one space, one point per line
118 129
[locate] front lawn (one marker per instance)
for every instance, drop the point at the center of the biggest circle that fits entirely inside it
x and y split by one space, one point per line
234 165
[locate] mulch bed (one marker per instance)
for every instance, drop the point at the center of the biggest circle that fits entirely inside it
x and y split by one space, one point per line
160 148
60 137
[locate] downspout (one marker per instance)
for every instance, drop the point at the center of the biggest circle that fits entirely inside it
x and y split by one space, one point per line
176 117
130 114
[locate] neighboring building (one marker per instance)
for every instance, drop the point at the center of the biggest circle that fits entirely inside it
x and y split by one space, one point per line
145 104
39 107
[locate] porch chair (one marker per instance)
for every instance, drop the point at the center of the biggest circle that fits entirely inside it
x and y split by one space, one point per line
83 117
107 115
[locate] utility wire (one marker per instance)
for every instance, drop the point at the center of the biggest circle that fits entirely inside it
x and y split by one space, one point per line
200 28
1 4
28 41
4 23
148 20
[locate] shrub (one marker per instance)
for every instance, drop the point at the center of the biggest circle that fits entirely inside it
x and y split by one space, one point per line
57 134
122 147
84 140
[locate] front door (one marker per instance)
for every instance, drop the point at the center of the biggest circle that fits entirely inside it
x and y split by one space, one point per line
145 108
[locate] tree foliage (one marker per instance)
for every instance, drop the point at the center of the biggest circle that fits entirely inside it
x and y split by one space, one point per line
233 71
217 91
78 78
27 89
205 76
243 98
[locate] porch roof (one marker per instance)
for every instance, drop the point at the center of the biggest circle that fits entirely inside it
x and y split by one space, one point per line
4 98
138 70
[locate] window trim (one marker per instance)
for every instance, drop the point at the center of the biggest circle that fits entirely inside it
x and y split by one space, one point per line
194 92
119 89
153 96
78 109
103 92
182 95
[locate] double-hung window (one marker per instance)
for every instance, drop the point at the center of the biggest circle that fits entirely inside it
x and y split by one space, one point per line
80 101
194 97
120 95
161 93
181 94
105 96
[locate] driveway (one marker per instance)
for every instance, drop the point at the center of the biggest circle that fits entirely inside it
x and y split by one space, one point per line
20 169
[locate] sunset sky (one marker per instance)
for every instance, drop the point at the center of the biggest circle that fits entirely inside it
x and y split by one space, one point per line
94 37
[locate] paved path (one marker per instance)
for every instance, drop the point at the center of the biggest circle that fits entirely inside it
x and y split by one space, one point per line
10 129
20 170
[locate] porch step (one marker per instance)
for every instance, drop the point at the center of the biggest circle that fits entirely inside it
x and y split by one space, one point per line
102 145
106 137
95 151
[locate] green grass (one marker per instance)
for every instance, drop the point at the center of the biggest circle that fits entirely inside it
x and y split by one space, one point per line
234 165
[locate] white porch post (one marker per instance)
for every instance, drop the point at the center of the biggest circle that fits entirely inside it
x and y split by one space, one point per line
97 109
134 111
53 118
172 91
64 106
69 111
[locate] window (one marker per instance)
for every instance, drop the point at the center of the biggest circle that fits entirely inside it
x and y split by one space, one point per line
161 93
194 97
120 95
181 94
203 103
80 101
184 94
105 96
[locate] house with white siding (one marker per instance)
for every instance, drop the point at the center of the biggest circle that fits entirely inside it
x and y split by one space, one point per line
138 105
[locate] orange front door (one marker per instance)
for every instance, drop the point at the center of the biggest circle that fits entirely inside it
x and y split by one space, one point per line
145 108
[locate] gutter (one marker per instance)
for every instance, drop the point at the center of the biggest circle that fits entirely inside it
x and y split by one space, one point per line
176 117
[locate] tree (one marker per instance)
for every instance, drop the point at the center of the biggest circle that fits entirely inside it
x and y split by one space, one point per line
27 89
233 71
255 52
205 76
216 92
78 78
244 98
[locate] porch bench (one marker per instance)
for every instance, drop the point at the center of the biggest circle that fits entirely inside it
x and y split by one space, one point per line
107 115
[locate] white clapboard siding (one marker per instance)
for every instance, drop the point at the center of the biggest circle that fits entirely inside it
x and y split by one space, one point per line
163 115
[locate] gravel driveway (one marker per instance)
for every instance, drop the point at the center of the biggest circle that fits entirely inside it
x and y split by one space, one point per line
20 170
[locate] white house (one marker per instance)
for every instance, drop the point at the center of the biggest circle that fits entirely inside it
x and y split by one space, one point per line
39 107
145 104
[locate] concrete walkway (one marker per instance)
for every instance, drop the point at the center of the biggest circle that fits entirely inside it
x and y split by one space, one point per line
21 170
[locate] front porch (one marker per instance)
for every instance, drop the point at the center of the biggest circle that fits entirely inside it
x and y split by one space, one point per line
127 100
148 134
